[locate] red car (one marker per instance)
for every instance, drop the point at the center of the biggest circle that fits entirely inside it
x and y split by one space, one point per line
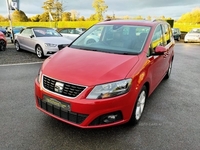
106 82
3 42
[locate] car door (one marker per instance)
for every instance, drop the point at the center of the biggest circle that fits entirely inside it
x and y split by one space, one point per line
169 44
27 41
156 61
20 39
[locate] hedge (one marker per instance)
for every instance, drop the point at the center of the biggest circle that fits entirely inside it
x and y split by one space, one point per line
184 27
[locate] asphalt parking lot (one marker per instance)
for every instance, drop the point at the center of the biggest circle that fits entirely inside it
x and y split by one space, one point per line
11 56
171 119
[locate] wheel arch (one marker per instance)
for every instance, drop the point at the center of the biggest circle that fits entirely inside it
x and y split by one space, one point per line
37 45
147 87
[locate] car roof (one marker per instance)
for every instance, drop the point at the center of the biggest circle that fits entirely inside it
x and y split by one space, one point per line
33 27
133 22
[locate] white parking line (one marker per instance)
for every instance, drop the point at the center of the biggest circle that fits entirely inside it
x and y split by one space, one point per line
19 64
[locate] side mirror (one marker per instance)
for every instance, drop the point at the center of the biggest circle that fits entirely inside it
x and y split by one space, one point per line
31 36
160 50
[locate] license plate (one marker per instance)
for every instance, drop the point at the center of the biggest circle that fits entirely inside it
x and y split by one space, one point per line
56 103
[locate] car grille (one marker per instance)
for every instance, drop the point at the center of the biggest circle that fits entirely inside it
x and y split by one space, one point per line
66 115
62 46
69 90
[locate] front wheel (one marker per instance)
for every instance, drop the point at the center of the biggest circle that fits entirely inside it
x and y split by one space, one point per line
2 45
39 51
17 46
139 106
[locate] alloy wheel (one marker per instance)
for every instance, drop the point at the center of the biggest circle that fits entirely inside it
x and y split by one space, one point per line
140 105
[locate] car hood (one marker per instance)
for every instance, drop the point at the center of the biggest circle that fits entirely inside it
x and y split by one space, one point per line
54 40
88 67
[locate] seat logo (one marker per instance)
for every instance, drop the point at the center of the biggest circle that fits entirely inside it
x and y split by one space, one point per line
59 87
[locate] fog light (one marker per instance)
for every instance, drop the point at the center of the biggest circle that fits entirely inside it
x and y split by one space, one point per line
110 118
107 118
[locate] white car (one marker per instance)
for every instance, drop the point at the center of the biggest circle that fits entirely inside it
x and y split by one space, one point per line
192 36
70 33
40 40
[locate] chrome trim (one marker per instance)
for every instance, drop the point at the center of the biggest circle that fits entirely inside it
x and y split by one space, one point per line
62 82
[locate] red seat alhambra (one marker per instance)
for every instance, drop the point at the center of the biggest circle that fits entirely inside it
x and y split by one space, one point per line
106 81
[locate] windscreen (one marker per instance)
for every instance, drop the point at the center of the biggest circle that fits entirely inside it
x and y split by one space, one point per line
122 39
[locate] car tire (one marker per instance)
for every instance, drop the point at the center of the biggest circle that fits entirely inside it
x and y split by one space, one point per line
179 38
139 107
39 51
2 45
17 46
169 71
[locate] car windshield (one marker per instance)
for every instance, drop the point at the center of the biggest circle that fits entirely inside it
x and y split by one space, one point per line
120 39
46 32
195 31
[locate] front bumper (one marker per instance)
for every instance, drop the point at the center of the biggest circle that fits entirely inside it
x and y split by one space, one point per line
51 50
85 113
192 39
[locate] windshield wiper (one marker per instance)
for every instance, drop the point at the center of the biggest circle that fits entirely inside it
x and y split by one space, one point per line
126 53
86 49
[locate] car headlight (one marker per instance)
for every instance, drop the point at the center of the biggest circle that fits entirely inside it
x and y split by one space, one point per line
50 45
39 77
110 89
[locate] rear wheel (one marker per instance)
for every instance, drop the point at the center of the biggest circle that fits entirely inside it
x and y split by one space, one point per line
169 71
179 38
2 45
39 51
139 106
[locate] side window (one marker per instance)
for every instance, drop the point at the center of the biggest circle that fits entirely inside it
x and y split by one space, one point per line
157 39
166 34
26 32
64 31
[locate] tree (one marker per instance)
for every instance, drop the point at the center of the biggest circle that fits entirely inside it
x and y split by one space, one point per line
19 16
53 7
82 18
35 18
92 18
44 17
66 16
148 18
100 8
74 15
2 19
190 17
58 10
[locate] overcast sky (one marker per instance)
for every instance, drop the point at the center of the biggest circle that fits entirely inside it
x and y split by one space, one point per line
154 8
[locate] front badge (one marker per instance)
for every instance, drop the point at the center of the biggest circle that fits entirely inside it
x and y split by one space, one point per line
59 87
